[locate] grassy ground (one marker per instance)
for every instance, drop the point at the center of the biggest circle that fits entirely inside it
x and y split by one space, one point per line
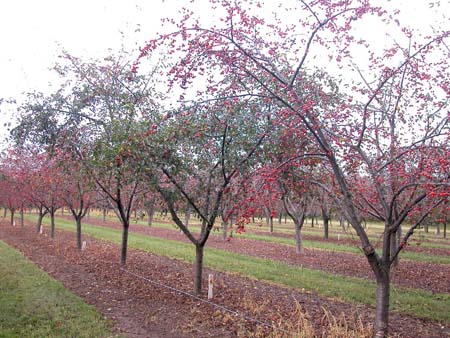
414 302
34 305
311 244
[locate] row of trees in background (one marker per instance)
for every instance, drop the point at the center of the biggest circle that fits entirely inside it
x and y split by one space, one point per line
245 116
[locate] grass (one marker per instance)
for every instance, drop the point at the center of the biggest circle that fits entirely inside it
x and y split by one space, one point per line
34 305
311 244
413 302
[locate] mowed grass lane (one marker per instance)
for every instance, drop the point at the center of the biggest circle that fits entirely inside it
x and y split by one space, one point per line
32 304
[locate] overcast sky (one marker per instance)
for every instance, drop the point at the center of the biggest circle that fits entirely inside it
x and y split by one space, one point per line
33 33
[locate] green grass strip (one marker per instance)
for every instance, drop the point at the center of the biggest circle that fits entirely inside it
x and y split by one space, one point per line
35 305
418 303
329 246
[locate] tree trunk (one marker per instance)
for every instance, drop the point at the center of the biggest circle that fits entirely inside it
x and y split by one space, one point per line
298 237
445 230
21 217
150 215
104 215
313 216
39 222
326 219
280 217
438 229
4 212
395 242
382 304
78 221
52 224
12 215
224 230
187 215
123 253
198 269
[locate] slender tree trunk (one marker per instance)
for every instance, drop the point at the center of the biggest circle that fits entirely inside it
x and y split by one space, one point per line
4 212
104 215
62 211
123 253
12 215
150 215
78 221
187 215
438 229
52 224
224 230
298 237
280 217
425 226
395 242
326 219
325 227
21 217
39 221
382 304
445 230
198 269
313 216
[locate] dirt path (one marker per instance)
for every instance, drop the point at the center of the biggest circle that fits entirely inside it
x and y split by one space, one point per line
420 275
140 309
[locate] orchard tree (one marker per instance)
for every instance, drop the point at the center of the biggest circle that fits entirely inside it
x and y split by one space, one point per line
94 115
195 153
371 107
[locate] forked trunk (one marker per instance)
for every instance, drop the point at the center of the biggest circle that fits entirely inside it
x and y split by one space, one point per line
382 305
123 253
198 269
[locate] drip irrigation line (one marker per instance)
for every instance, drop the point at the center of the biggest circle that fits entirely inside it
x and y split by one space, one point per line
221 307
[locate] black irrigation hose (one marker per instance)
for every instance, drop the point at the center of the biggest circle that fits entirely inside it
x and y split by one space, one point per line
221 307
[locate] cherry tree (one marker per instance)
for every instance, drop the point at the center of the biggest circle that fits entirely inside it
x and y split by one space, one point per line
194 154
359 115
94 116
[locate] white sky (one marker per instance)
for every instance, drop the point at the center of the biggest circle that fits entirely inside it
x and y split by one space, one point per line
33 33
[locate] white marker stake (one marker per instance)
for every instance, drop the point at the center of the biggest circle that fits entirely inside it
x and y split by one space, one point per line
83 246
41 230
210 286
339 237
14 223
